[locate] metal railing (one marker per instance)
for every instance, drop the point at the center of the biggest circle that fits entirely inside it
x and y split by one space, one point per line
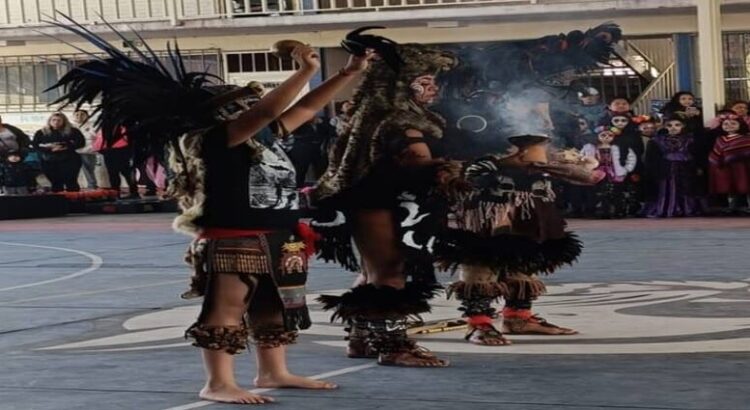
662 88
30 13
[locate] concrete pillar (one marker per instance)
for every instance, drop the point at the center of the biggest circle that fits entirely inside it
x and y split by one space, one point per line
684 60
711 56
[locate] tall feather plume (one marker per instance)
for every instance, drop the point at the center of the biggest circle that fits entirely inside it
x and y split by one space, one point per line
155 102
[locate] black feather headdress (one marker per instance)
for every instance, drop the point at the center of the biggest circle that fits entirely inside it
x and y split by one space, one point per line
155 101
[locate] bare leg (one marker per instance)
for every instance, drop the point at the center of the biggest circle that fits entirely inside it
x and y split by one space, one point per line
265 313
376 236
227 310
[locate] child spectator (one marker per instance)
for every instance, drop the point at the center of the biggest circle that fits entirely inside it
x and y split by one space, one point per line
729 163
671 173
741 108
611 200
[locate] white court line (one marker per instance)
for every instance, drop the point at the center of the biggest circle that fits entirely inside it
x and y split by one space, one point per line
96 263
93 292
204 403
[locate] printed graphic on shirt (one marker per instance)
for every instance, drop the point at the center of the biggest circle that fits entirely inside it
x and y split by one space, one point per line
272 182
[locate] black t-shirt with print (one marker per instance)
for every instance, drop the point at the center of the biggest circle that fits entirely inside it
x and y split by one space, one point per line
245 188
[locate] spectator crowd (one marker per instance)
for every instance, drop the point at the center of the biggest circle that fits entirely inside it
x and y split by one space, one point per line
662 165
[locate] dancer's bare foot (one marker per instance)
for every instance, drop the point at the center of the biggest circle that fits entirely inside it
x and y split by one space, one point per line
534 325
292 381
487 335
232 394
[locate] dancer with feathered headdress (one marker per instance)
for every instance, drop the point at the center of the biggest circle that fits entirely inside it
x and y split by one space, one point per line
236 189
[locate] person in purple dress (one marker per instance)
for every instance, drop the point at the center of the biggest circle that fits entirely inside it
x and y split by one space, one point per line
672 174
610 199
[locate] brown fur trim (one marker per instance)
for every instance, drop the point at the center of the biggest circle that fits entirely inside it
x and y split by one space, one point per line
188 185
270 338
462 290
523 286
231 339
383 108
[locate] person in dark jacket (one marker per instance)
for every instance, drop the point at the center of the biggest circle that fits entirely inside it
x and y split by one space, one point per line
56 144
15 175
12 139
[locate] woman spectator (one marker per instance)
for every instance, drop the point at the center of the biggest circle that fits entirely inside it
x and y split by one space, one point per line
683 104
57 144
88 155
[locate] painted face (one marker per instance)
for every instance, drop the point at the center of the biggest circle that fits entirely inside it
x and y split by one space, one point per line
730 126
740 109
56 122
620 121
686 100
425 90
80 117
619 105
606 137
674 127
647 129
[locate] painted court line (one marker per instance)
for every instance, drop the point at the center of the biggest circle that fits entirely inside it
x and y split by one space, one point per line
93 292
96 263
204 403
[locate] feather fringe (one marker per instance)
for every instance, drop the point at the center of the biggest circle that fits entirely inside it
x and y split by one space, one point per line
335 244
506 253
524 287
368 302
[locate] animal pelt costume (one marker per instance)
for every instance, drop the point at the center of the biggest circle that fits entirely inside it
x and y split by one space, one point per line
364 172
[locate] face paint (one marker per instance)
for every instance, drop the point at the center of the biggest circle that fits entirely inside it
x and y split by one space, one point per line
606 137
620 122
425 90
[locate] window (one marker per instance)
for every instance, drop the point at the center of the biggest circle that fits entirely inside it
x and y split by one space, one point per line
24 79
258 62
